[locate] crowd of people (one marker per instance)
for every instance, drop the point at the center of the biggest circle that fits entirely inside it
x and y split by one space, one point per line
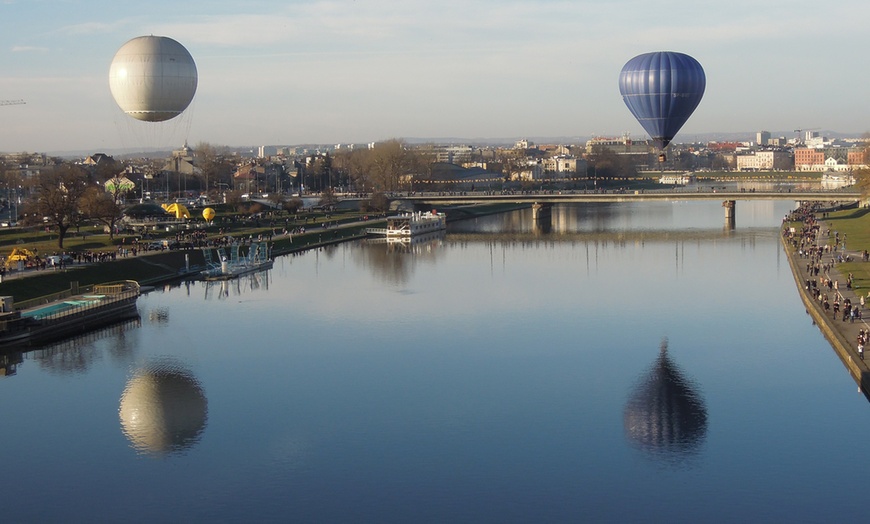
821 259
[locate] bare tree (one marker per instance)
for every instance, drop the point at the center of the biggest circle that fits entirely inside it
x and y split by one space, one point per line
385 167
293 205
216 169
103 206
276 199
328 198
58 192
234 199
862 174
356 166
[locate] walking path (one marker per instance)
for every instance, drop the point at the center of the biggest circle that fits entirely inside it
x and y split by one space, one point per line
843 335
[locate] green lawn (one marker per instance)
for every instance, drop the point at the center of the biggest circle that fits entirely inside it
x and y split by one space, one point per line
854 226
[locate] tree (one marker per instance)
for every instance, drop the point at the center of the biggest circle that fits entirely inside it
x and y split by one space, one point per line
313 174
327 198
276 199
58 192
355 166
604 162
377 203
325 173
234 199
103 206
293 205
107 169
862 175
388 166
216 169
390 160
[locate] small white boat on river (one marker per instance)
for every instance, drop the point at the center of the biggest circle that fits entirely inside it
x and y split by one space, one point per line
411 224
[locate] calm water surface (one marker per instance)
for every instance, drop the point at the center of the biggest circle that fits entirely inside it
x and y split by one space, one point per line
621 363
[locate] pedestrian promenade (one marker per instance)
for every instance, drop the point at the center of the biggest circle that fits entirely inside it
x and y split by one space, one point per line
843 335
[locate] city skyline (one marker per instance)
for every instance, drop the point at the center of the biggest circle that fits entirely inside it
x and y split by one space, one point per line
355 72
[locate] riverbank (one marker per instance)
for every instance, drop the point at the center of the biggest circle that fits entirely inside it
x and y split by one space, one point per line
157 267
841 334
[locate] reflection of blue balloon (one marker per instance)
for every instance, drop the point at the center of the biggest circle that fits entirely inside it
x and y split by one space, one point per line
662 90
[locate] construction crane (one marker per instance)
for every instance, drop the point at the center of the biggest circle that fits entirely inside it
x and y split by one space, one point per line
799 131
12 102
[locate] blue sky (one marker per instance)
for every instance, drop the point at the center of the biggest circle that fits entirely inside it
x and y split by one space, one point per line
294 72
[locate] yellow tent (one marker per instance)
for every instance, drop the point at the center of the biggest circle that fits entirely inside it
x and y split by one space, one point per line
179 210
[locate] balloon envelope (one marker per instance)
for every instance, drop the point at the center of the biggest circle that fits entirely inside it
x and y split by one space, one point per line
662 90
153 78
208 214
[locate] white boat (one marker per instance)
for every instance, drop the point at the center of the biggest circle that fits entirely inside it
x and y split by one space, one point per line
834 180
410 224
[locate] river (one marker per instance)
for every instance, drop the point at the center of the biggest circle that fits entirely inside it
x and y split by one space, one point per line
633 362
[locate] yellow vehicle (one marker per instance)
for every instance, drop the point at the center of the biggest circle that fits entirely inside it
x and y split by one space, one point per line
19 255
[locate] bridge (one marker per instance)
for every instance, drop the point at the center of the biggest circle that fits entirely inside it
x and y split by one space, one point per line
573 196
542 201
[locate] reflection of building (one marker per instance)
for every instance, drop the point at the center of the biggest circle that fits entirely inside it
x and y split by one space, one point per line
163 409
666 415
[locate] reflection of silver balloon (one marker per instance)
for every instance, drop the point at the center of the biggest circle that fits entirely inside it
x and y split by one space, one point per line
163 409
665 414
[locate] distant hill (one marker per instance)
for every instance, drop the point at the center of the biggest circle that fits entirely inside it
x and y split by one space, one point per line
743 136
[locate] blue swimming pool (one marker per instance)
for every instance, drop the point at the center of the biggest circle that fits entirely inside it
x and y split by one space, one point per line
58 307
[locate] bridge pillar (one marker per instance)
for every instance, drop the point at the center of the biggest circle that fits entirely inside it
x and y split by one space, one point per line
541 211
730 213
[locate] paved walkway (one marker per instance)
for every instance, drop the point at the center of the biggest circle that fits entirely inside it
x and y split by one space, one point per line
843 335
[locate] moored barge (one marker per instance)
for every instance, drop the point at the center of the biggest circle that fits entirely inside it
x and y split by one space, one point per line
47 319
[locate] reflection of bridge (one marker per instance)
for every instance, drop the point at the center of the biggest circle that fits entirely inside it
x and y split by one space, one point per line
602 237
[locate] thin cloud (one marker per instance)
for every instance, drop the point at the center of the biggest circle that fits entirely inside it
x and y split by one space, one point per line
89 28
28 49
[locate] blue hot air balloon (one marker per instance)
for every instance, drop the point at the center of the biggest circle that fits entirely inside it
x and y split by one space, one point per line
662 90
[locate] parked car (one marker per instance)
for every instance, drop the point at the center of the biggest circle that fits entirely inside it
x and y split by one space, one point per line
55 260
160 245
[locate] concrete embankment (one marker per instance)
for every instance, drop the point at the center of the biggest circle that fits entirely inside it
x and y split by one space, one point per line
842 335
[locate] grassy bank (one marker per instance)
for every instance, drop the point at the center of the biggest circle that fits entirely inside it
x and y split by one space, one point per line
144 269
854 226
